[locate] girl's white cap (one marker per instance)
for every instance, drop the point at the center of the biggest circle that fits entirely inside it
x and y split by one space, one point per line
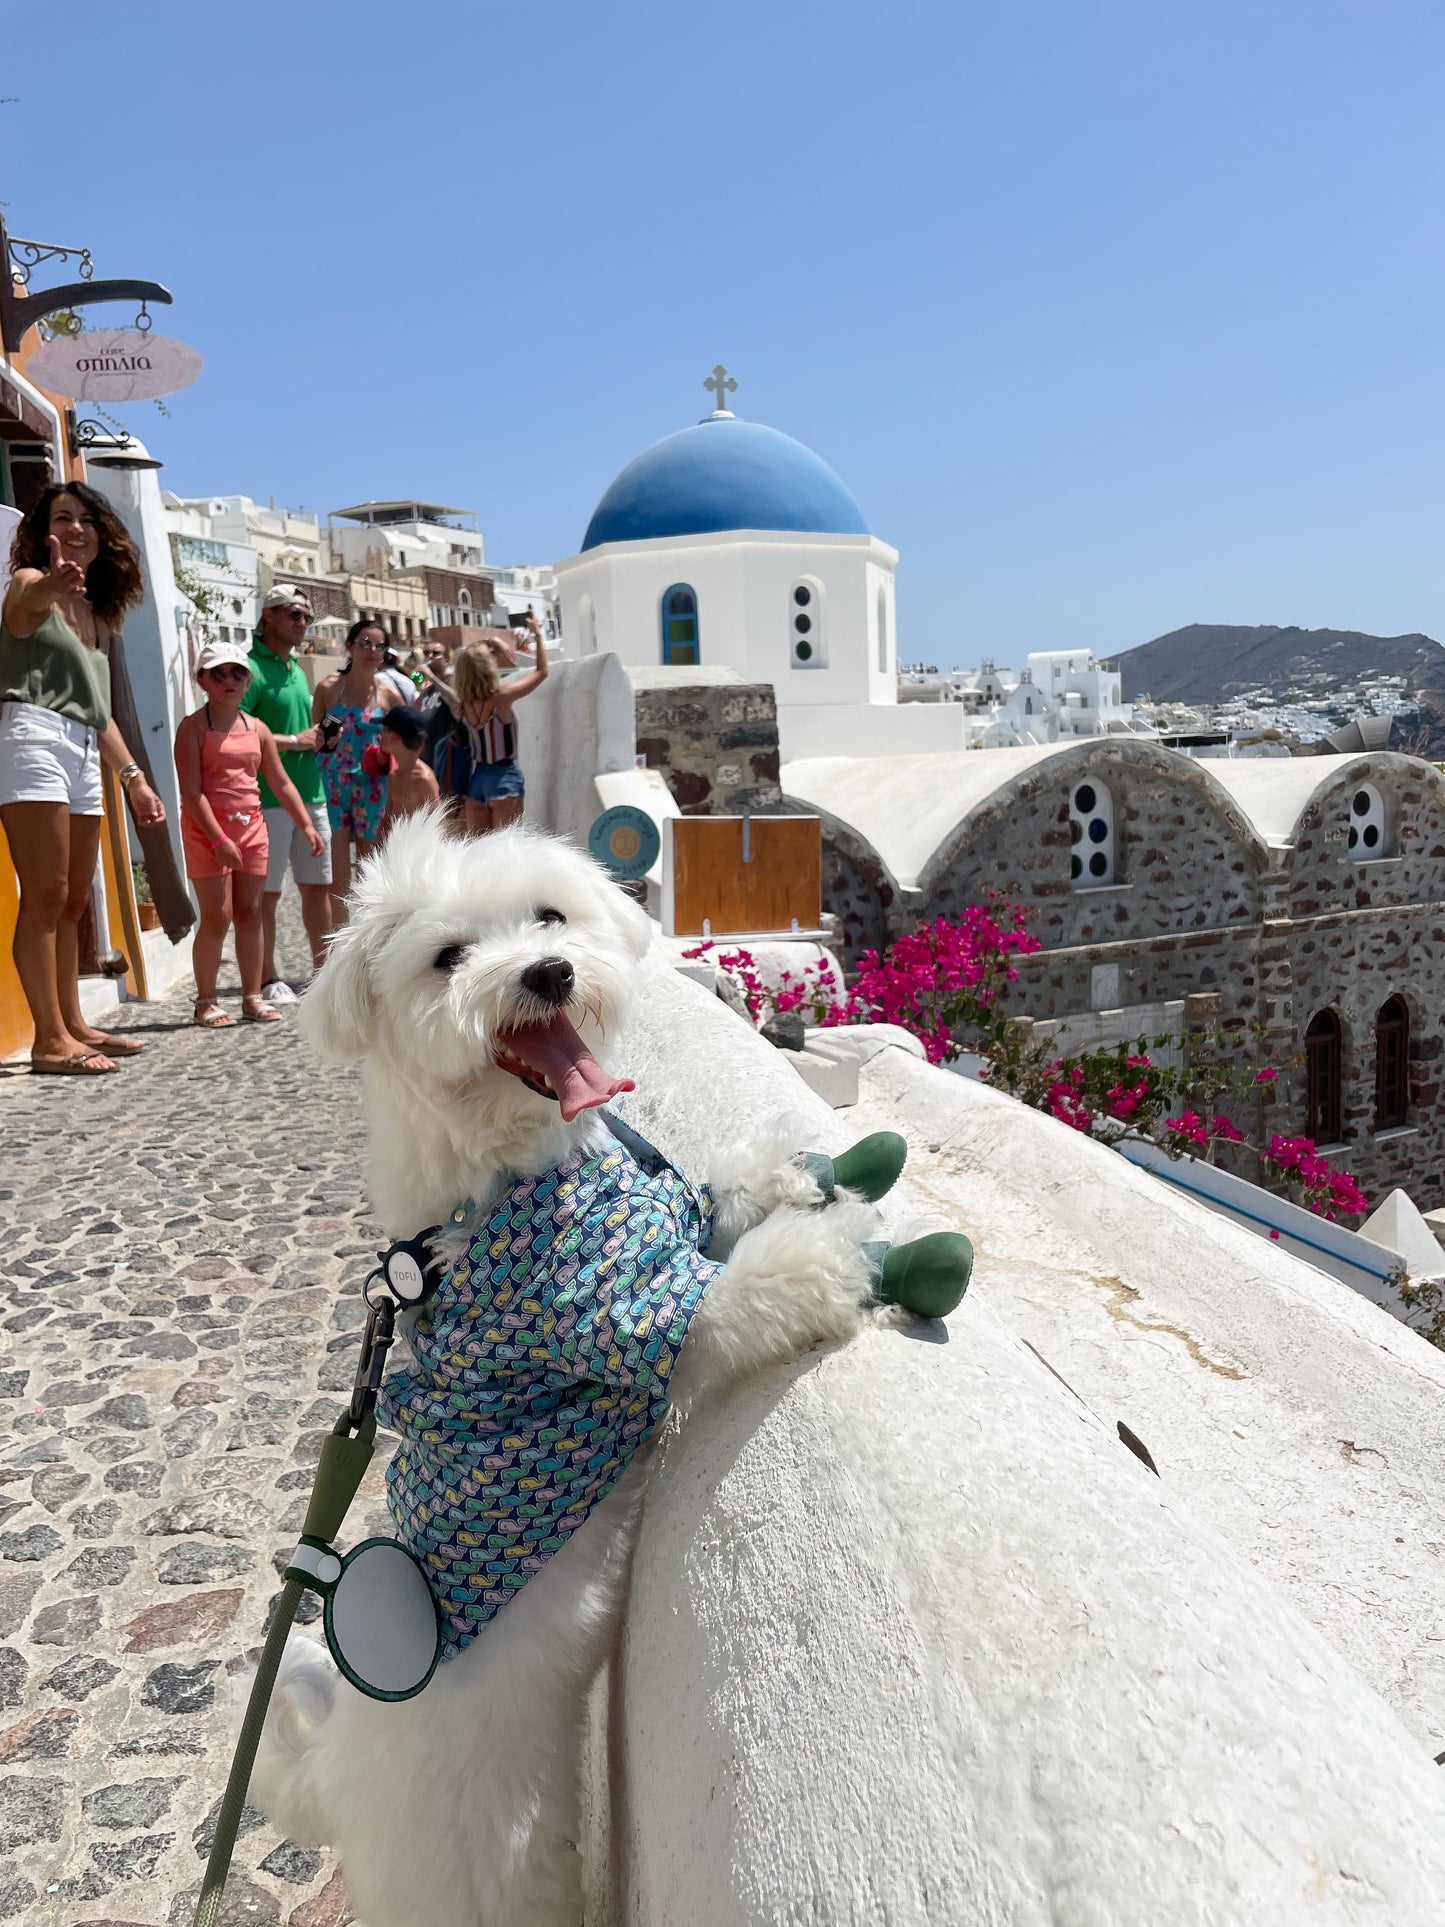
215 653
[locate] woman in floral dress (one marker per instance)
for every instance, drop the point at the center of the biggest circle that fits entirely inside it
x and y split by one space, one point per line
348 711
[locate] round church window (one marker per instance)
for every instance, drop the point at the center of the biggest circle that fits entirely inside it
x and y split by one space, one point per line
1367 824
1091 822
808 637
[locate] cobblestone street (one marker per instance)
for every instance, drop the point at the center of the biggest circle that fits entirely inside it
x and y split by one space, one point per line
181 1247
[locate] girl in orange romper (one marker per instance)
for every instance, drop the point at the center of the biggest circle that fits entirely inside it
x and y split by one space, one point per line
218 752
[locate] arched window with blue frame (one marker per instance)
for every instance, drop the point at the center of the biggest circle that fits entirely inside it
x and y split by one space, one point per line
680 641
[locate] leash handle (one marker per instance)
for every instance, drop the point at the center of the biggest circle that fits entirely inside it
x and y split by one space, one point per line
233 1801
343 1466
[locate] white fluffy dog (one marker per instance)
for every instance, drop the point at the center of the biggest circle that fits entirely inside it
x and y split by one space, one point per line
459 1808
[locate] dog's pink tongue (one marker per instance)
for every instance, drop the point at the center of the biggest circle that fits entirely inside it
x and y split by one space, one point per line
557 1053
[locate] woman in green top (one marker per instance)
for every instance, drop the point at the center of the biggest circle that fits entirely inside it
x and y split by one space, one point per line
75 573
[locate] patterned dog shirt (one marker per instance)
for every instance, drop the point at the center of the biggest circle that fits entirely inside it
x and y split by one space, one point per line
541 1365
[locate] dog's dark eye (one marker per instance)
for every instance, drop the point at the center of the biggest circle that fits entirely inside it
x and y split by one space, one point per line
548 915
449 958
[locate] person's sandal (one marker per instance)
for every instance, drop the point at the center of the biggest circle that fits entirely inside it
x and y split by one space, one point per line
117 1046
255 1010
209 1015
80 1063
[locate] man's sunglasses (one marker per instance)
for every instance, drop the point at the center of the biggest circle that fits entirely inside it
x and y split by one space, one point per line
298 615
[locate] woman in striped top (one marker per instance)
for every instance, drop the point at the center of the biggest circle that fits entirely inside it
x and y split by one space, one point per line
481 764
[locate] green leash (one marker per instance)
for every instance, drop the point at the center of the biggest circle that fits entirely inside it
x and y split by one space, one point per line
344 1460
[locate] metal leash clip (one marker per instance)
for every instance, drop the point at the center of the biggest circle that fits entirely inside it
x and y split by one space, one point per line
406 1277
376 1342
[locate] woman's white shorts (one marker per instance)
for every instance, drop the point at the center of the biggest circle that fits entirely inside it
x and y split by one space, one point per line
45 758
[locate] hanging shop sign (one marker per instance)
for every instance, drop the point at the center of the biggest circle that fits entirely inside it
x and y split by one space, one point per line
130 364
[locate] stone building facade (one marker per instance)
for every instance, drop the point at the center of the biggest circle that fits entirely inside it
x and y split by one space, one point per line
1251 881
714 743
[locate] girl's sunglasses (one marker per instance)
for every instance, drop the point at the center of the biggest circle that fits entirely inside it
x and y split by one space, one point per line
229 672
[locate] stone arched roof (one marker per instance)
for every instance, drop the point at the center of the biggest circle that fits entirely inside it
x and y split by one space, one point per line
914 812
1275 792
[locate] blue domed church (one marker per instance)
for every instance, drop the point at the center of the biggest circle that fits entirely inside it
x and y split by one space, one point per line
730 546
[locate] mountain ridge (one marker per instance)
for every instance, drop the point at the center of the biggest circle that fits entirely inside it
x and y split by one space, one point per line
1210 662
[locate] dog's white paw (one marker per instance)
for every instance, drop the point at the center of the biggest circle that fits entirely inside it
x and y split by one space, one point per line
798 1279
752 1179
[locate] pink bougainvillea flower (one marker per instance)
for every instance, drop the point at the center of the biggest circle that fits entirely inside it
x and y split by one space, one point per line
1266 1076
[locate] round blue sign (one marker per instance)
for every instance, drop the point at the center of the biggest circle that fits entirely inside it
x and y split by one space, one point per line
625 841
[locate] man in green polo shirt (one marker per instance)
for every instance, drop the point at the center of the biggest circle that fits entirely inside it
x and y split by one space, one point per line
280 696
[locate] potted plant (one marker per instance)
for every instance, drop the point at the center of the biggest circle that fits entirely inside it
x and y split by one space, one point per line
145 908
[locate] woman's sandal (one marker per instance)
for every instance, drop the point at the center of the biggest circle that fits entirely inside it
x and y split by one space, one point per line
116 1046
210 1016
255 1010
80 1063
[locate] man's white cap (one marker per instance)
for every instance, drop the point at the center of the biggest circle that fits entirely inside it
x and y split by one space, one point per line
282 598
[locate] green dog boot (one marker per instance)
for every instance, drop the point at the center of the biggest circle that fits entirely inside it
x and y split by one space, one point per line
927 1277
870 1167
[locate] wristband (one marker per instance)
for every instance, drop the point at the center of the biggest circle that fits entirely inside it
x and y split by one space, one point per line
219 841
129 775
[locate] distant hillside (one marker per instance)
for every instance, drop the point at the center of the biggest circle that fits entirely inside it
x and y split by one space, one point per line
1208 662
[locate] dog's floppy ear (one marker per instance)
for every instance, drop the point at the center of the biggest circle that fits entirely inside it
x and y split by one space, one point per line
337 1014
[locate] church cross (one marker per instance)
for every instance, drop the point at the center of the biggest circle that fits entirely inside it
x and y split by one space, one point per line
721 383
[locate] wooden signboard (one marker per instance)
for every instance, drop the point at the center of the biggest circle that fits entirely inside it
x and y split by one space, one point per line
741 874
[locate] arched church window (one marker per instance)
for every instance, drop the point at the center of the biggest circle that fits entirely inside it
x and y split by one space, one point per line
680 641
1367 824
805 615
1392 1058
882 630
1091 834
1324 1067
1028 705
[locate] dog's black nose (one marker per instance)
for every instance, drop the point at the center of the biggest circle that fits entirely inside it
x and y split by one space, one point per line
551 978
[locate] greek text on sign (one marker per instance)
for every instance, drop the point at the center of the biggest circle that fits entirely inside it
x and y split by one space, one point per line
117 366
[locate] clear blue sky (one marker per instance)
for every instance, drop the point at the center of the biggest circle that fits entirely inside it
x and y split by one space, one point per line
1113 316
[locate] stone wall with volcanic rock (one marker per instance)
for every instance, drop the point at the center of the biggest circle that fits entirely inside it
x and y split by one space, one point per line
714 744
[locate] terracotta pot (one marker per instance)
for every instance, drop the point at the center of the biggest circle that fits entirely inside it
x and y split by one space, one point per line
149 916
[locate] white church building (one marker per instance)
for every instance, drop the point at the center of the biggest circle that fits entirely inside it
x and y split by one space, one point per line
729 545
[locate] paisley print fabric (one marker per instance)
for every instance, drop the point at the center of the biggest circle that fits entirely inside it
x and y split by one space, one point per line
540 1366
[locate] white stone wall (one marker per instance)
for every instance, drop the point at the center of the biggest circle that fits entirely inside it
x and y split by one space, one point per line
155 643
575 726
913 1638
867 729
